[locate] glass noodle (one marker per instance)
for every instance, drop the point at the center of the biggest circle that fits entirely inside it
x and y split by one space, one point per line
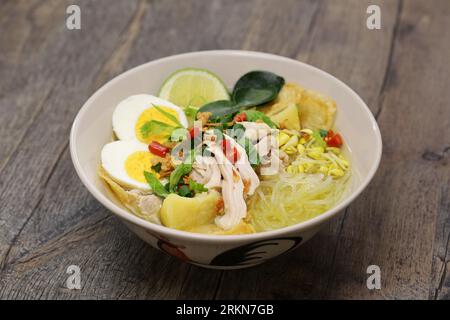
287 199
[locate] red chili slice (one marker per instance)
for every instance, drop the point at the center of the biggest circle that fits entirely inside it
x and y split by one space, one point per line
335 141
235 155
194 132
225 145
231 153
240 117
330 135
158 149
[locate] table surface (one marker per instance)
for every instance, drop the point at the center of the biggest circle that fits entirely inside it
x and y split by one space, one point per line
49 221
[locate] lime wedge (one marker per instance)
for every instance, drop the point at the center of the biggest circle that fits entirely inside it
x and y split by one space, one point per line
193 87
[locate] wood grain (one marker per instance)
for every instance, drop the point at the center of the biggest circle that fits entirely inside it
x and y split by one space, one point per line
48 221
331 45
406 199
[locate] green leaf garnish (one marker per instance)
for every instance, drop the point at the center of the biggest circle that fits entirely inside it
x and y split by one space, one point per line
169 116
252 154
184 191
323 133
250 97
156 127
176 175
318 140
178 134
190 156
155 184
253 116
252 89
259 80
237 131
157 167
220 108
197 187
222 119
191 111
238 126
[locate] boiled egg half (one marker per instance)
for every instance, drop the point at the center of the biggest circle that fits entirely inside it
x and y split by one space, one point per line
126 161
132 117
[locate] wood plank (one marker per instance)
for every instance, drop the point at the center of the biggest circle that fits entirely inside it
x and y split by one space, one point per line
394 225
440 274
57 223
45 138
50 222
345 48
22 95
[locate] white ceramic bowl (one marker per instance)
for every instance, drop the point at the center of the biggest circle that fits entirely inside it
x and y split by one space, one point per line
92 129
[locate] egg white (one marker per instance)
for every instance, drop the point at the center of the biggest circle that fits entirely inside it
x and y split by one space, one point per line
128 111
114 156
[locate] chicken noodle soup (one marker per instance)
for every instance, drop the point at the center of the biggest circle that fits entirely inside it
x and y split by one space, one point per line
261 157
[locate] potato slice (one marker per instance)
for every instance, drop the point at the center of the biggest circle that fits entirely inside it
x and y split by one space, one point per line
286 117
316 111
283 110
187 213
197 215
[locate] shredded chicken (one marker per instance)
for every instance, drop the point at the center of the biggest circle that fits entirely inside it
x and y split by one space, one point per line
236 180
272 165
244 167
232 187
265 145
234 204
256 130
206 171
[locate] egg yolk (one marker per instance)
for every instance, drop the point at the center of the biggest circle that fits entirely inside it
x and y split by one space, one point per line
137 163
153 114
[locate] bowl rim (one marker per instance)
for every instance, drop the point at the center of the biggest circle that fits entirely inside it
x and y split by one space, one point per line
160 229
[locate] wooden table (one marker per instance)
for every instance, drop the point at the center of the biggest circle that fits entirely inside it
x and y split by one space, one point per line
49 221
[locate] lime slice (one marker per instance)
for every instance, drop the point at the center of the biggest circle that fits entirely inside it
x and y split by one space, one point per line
193 87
